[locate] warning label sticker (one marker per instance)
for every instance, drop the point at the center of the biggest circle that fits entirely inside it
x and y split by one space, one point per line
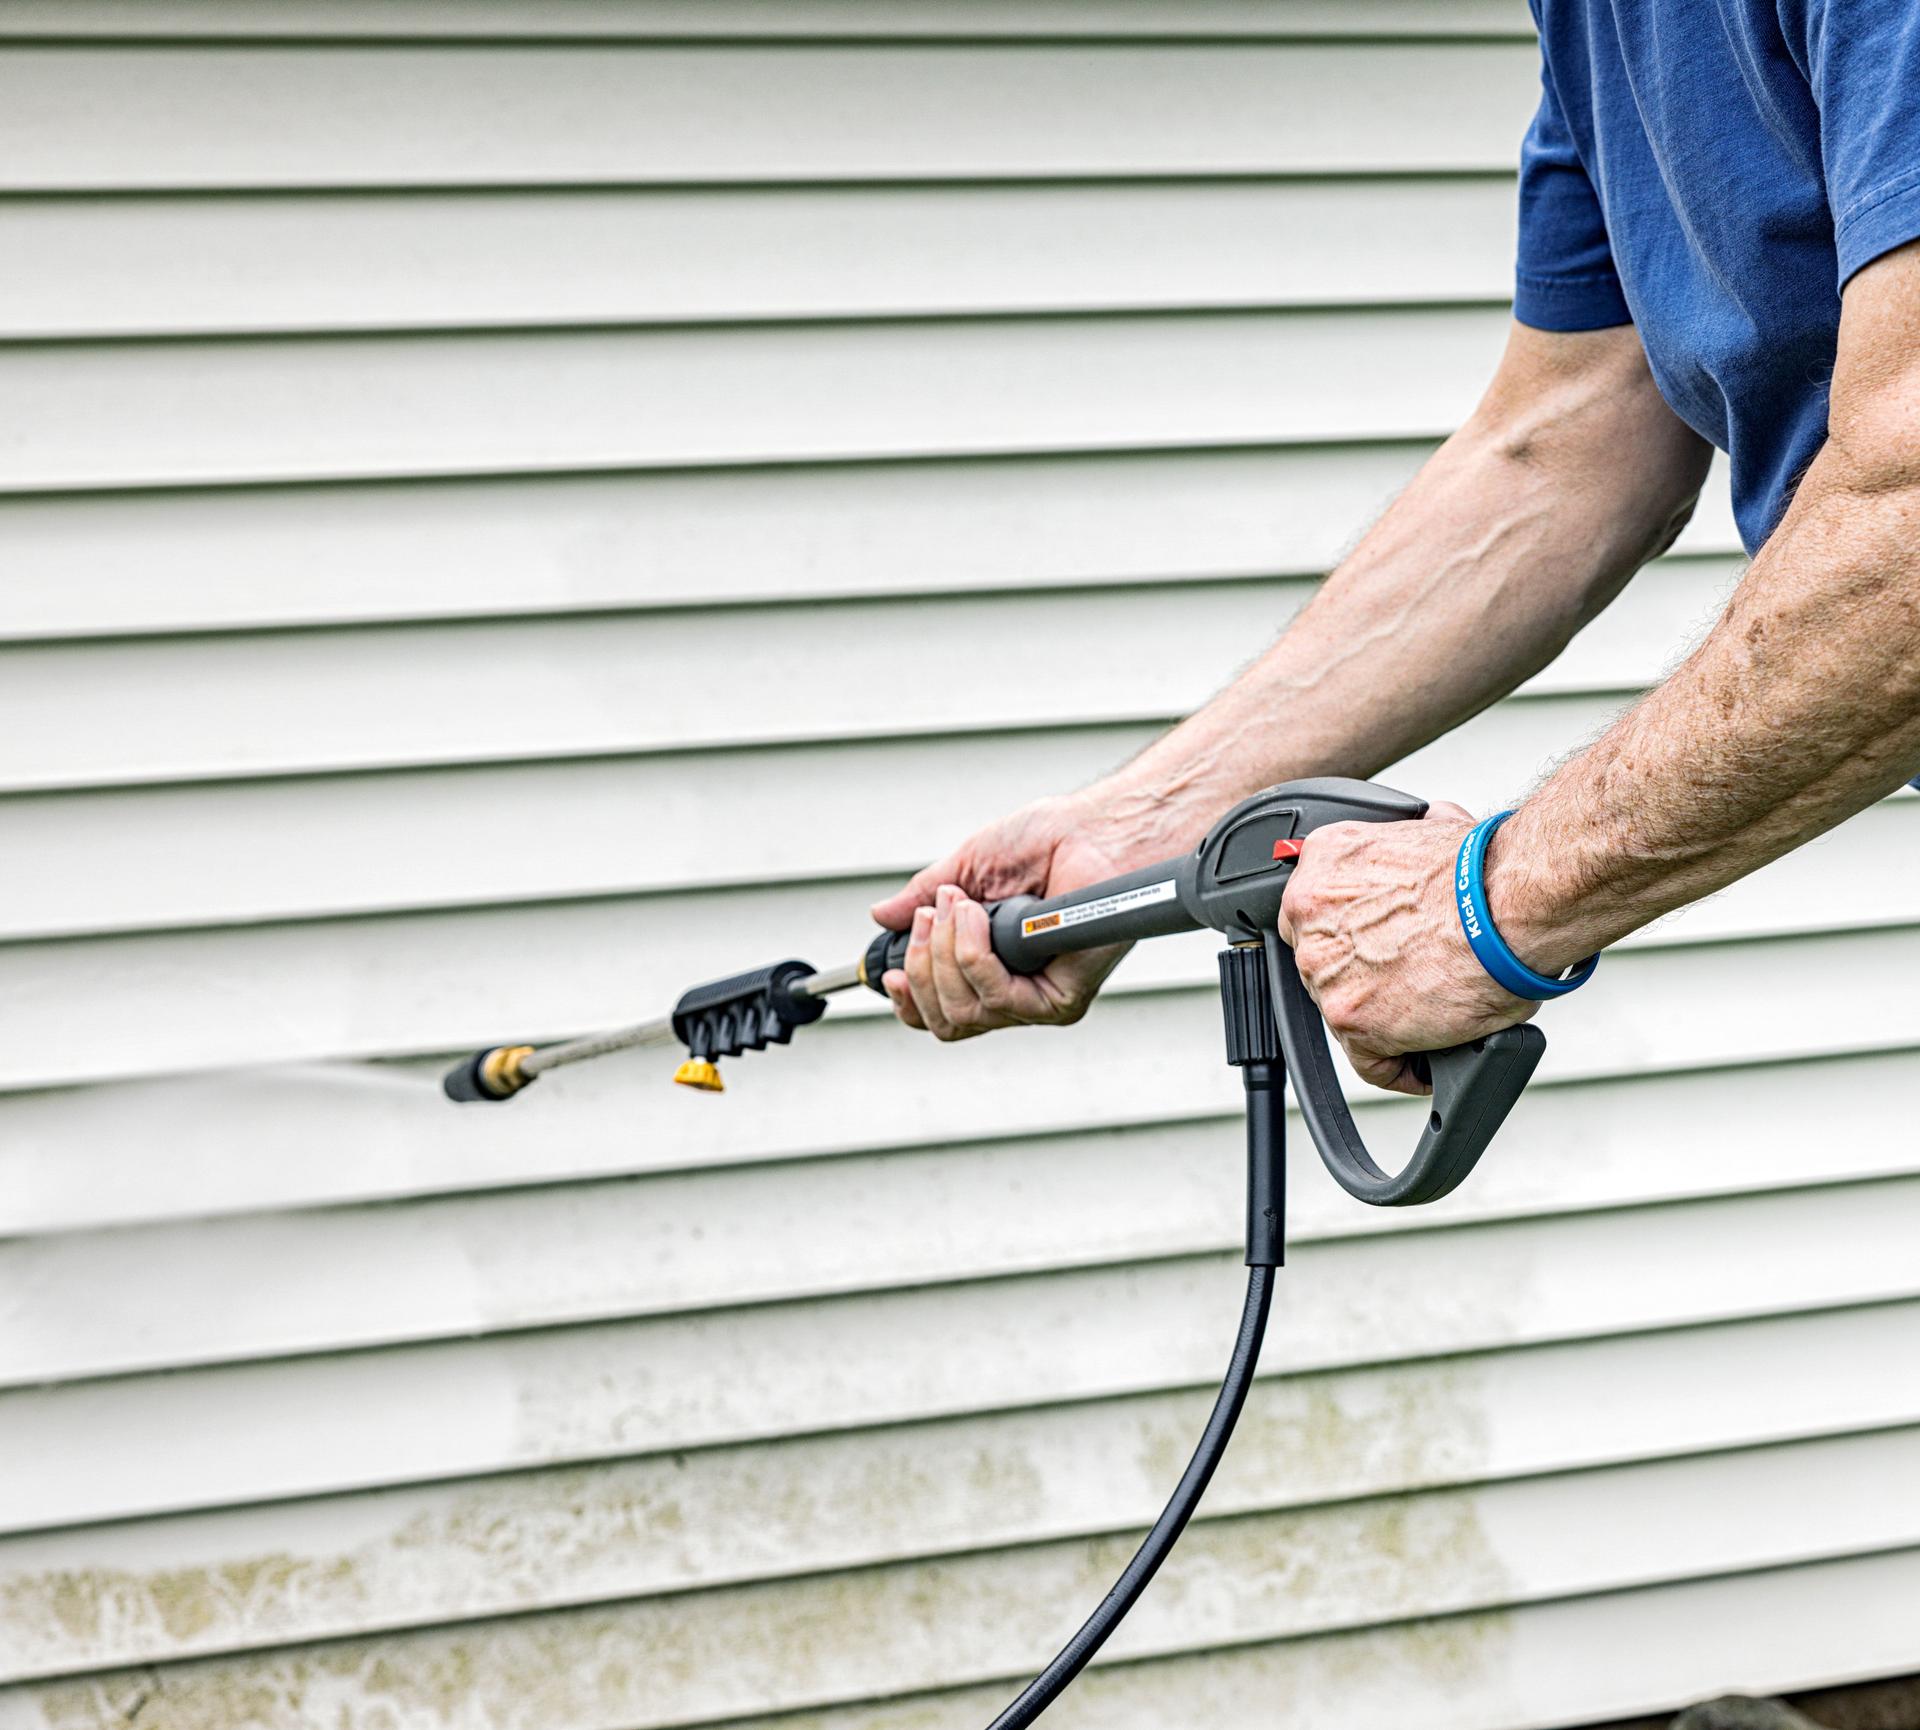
1103 908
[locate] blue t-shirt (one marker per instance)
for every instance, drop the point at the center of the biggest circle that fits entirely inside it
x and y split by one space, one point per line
1713 171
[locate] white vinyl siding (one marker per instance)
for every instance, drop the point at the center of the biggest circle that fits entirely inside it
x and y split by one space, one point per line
509 509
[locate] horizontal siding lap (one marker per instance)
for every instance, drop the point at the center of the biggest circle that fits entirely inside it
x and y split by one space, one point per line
178 413
439 20
103 266
133 563
525 547
261 116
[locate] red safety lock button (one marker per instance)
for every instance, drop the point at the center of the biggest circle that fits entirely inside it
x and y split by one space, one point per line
1286 849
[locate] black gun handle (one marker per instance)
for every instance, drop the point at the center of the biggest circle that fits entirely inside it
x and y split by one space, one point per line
1029 932
1474 1087
889 948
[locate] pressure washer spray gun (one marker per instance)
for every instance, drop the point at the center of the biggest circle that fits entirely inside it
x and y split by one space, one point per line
1232 882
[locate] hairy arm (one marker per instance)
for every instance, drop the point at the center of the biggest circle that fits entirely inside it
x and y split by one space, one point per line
1801 707
1569 475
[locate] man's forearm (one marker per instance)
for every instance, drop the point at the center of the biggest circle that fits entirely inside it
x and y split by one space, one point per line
1800 708
1513 536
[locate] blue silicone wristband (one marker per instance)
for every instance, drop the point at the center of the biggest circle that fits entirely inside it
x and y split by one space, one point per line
1489 947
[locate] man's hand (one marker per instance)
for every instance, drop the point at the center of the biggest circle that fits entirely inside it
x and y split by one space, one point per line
1371 917
953 985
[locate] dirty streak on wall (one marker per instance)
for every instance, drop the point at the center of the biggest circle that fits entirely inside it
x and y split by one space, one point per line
512 508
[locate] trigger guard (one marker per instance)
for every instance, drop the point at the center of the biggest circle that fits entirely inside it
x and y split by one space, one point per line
1474 1087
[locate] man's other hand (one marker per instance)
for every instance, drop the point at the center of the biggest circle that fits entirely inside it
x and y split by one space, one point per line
953 984
1371 917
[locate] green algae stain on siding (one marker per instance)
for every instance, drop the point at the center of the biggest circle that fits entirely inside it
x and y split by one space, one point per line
659 1524
800 1645
64 1615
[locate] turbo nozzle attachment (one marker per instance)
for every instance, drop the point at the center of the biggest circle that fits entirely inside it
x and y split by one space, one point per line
490 1076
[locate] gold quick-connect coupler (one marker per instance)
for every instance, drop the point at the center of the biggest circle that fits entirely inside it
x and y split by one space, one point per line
494 1074
500 1071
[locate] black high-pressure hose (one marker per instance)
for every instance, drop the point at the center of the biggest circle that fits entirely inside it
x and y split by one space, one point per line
1253 1049
1040 1692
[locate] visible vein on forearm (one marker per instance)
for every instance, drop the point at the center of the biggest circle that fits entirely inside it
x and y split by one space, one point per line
1801 707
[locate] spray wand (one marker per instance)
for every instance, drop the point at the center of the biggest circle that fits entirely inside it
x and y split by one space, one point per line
1232 882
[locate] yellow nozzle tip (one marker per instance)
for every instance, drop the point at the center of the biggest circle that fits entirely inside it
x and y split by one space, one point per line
698 1072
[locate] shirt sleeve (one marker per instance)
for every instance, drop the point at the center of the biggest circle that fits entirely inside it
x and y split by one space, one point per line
1862 59
1564 279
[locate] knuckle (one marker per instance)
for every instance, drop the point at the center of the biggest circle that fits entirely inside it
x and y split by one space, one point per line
1342 1014
1314 958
